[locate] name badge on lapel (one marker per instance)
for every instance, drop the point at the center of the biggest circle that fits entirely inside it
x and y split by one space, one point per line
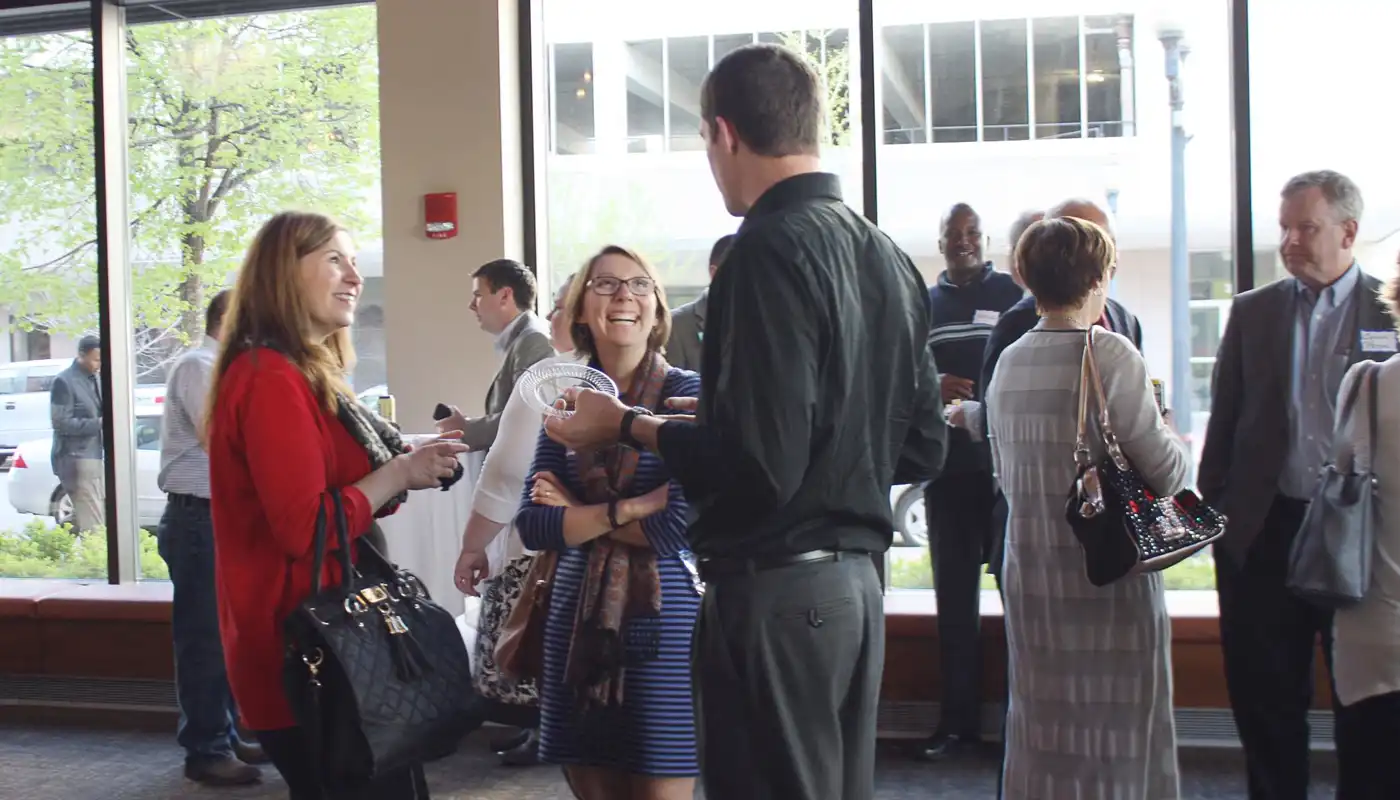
1379 342
985 317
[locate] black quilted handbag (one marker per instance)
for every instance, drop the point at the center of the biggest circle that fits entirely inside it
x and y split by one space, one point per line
377 674
1124 528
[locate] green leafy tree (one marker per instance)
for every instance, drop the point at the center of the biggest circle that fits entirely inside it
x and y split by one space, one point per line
230 121
833 66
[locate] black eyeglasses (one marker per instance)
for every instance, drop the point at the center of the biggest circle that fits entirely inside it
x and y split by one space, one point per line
608 285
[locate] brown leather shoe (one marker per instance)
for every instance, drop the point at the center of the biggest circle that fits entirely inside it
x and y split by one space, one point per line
222 772
250 753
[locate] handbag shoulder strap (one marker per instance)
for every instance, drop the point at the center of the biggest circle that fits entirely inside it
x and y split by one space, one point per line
1373 396
320 542
1344 447
1083 457
318 547
1090 380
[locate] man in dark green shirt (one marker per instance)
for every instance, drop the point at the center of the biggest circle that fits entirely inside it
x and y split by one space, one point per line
818 393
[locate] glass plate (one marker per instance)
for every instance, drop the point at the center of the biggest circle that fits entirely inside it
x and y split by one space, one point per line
543 384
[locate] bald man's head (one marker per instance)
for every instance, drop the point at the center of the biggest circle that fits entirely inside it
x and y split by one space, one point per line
1079 208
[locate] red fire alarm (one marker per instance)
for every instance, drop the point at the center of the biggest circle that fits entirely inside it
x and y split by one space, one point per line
440 215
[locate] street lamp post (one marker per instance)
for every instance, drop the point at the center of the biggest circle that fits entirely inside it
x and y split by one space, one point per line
1173 42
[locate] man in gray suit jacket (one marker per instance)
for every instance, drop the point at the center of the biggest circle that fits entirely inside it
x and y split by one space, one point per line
1280 365
75 409
503 294
688 321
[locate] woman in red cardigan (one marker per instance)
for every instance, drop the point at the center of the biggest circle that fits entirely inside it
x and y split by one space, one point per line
283 429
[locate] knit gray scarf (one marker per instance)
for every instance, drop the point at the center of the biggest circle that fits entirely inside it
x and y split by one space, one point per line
381 441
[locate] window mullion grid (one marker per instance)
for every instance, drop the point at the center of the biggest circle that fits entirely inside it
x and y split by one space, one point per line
977 75
1030 78
665 95
928 86
1083 81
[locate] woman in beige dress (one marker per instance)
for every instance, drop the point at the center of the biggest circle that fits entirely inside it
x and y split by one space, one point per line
1090 714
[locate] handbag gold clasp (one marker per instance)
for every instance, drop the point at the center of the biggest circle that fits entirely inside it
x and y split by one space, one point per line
374 594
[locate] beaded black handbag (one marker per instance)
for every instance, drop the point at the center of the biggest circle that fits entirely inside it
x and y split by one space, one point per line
1125 528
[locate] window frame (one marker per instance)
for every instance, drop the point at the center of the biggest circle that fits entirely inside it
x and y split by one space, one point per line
108 19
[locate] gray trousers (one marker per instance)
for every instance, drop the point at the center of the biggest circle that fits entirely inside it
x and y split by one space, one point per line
88 491
788 665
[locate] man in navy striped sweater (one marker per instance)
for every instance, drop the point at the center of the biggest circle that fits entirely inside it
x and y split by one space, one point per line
966 301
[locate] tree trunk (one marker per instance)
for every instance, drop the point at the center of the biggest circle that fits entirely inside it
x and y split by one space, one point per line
192 290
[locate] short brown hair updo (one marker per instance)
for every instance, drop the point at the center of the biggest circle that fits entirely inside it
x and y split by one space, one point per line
1063 259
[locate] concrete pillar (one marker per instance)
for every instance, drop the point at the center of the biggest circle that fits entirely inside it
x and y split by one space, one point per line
450 122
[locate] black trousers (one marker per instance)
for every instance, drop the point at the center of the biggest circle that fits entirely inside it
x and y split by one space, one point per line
959 509
787 666
288 751
1368 749
1269 635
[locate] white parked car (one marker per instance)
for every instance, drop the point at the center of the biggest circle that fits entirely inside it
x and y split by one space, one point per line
34 488
24 402
910 526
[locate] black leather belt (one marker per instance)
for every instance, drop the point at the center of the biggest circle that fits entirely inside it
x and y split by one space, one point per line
711 568
187 501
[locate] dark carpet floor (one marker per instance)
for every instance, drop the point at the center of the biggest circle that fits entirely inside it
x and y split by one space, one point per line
66 764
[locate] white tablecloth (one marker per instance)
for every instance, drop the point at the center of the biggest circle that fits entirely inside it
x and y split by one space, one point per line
425 535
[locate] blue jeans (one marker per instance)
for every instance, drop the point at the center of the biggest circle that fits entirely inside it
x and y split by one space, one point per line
207 712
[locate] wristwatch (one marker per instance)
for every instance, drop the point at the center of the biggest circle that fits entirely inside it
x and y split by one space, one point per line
628 417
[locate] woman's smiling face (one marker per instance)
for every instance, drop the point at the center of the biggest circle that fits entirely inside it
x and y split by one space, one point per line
619 304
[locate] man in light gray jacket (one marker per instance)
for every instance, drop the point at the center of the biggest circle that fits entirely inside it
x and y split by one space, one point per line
688 321
503 296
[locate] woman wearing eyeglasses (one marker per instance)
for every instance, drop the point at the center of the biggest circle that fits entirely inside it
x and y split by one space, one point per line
616 703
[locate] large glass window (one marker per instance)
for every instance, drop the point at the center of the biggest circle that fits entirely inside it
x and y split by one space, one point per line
1057 78
1070 76
572 107
1107 46
904 80
646 183
978 80
48 305
952 54
687 64
234 119
1352 131
1006 84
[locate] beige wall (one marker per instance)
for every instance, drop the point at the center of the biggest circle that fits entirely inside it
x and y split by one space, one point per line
450 121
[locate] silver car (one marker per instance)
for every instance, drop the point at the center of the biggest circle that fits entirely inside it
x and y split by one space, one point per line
34 488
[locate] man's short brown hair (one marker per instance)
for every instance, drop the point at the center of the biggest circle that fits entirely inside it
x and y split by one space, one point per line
770 95
1062 259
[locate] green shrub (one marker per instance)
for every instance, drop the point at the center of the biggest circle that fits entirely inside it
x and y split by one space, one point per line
43 550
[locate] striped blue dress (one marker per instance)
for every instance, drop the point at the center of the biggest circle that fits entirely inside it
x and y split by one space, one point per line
653 731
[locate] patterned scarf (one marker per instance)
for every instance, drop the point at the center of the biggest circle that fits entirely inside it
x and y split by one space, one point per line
380 440
620 581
